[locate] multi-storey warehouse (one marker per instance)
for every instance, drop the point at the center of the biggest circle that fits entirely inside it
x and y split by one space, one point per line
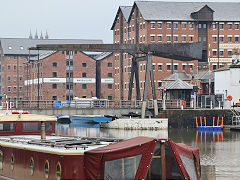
62 75
214 24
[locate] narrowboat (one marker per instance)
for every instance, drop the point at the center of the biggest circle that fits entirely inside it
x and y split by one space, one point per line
24 123
55 157
36 155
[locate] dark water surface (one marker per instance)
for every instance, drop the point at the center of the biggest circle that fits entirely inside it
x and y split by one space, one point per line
219 152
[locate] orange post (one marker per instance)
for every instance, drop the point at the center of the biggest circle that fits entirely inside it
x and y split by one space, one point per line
222 122
196 122
205 121
218 121
213 120
201 121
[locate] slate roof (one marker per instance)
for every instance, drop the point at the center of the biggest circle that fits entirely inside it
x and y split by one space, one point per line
19 46
176 85
126 10
204 76
103 55
180 75
160 10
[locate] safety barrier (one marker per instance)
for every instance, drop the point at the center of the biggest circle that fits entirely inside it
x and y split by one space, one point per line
204 127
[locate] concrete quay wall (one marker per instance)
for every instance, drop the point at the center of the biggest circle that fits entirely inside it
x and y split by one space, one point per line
137 123
84 111
187 118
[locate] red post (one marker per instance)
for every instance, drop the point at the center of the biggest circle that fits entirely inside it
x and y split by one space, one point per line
222 122
201 121
196 122
163 161
205 121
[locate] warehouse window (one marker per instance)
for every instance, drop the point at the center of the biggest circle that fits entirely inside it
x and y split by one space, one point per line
54 74
84 86
236 26
168 25
229 26
109 86
54 86
54 64
236 39
84 64
84 74
214 26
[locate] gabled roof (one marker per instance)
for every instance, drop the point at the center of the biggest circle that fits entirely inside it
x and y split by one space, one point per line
125 11
19 46
103 55
160 10
197 9
178 84
180 75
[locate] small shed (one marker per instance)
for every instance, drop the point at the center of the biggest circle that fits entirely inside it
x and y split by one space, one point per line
178 90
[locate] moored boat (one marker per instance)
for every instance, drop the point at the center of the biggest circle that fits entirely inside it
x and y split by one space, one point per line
26 124
29 157
94 119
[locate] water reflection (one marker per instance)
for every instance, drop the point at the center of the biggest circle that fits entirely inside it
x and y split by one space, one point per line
219 151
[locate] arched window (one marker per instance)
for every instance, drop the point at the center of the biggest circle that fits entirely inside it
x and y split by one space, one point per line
31 165
46 169
58 171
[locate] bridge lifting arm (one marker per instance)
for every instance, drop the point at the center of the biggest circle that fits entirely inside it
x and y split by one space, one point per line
178 51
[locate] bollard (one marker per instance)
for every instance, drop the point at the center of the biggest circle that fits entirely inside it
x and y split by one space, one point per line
205 122
196 122
201 121
222 122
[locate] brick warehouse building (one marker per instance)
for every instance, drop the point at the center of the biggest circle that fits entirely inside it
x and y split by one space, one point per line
14 58
64 75
211 23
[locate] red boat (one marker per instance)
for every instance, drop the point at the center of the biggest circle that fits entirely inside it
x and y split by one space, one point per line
26 124
29 157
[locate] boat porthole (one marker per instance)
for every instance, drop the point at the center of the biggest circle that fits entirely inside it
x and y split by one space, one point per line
1 160
58 171
12 161
46 169
31 165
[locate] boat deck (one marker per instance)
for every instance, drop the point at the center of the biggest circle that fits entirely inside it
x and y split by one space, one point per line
55 144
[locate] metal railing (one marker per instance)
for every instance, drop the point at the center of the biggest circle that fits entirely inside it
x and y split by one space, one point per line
78 104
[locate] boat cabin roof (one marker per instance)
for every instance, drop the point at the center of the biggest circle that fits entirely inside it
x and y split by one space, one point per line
55 144
26 117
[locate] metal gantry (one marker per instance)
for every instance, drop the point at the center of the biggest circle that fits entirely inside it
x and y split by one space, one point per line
139 52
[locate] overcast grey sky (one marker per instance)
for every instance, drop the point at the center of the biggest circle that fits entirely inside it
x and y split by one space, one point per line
78 19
